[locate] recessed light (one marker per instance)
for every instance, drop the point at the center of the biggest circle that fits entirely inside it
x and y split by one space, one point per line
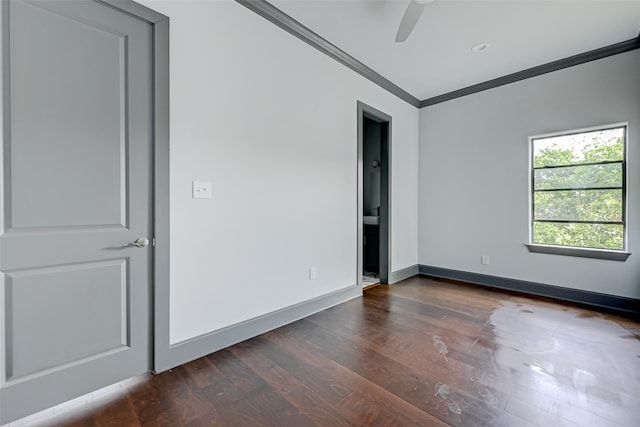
480 47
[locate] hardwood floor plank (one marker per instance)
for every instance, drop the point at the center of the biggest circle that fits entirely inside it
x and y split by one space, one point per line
171 401
236 372
424 352
411 385
355 389
415 336
250 396
308 401
536 416
202 372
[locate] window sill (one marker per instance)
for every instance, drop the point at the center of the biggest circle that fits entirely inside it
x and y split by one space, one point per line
579 252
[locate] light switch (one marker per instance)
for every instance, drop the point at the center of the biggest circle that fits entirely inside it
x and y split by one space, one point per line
201 189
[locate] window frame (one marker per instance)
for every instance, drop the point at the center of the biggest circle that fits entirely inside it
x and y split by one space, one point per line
578 251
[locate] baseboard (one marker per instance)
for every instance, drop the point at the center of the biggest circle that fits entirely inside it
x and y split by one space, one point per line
405 273
202 345
620 305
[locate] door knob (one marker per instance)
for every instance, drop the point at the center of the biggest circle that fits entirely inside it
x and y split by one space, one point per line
141 242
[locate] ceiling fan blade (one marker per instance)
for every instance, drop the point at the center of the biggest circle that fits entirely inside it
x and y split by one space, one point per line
410 19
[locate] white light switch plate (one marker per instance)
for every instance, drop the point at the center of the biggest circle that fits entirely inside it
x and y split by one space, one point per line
201 189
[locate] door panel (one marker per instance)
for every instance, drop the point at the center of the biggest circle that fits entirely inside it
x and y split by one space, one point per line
43 313
81 112
77 190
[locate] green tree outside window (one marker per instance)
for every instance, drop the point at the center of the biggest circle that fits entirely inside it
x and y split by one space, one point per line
578 194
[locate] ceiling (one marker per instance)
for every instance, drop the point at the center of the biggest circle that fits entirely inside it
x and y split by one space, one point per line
437 58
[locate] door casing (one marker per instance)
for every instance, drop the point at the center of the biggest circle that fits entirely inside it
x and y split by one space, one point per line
366 111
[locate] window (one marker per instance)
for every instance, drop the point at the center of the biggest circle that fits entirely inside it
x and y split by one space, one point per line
578 191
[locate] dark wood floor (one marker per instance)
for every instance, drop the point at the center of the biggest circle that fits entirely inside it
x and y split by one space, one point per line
421 353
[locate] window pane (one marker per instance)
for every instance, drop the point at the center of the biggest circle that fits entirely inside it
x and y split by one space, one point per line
598 236
578 205
585 147
608 175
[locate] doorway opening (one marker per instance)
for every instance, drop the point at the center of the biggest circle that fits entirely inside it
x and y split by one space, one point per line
374 155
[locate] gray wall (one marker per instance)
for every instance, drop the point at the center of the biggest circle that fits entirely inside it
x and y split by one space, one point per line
474 176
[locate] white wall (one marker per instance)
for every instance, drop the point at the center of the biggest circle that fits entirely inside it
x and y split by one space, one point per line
474 173
273 124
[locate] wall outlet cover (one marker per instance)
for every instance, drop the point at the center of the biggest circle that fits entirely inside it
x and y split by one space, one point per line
201 189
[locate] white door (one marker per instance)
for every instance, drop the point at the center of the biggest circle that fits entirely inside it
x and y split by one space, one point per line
76 193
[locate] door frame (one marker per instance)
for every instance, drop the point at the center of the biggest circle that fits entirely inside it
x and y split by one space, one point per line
369 112
159 277
159 321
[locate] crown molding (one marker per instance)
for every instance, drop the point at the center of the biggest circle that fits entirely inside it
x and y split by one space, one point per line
560 64
287 23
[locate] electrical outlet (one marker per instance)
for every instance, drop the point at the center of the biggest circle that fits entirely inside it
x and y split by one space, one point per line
201 189
313 273
485 259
